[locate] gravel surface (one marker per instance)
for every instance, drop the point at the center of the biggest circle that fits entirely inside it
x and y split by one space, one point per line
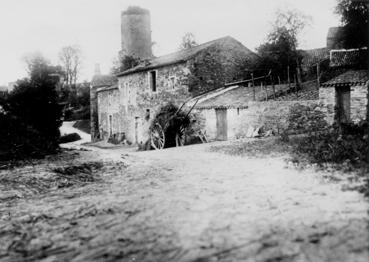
182 204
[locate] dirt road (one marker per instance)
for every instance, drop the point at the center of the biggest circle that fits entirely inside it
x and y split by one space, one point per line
187 204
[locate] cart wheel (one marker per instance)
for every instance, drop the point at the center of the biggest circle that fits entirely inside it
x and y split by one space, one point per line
157 137
180 137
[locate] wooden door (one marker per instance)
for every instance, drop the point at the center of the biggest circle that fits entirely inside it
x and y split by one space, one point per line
222 127
343 104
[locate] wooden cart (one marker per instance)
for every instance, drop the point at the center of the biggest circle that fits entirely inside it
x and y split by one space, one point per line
158 131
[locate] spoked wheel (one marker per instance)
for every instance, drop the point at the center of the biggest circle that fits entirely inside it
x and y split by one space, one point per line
157 137
180 137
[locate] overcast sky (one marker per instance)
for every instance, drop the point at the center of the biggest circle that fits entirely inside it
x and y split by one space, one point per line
47 25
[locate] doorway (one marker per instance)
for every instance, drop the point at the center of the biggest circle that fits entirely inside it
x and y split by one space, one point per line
221 122
343 104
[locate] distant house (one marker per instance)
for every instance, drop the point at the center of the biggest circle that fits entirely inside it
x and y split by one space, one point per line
127 108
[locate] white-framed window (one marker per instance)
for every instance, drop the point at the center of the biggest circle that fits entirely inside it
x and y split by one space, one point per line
152 80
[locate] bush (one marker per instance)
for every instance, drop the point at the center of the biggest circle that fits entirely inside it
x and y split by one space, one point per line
83 125
19 140
305 119
69 138
79 114
30 117
348 143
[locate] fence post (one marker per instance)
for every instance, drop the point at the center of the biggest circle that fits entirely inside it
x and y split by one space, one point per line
272 83
253 86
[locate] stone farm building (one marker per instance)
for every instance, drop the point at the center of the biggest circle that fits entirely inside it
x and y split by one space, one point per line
345 97
125 108
240 111
124 105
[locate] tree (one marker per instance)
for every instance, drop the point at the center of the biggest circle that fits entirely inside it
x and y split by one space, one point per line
188 41
70 59
355 19
31 111
35 63
123 63
277 54
280 49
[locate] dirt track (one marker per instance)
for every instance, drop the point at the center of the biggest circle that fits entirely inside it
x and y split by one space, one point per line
188 204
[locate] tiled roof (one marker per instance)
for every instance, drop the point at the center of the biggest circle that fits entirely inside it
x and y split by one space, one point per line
309 91
103 80
182 56
351 77
313 56
241 96
348 57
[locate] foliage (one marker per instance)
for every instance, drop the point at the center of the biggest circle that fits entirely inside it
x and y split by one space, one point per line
347 144
123 63
70 58
188 41
306 119
280 49
355 19
277 54
291 21
76 101
31 116
71 114
69 138
83 125
207 72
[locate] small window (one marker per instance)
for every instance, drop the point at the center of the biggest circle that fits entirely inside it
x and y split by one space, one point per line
152 80
238 111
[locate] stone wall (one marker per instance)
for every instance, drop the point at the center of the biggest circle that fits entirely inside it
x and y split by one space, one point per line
94 126
222 63
108 102
327 96
133 105
358 102
271 115
137 104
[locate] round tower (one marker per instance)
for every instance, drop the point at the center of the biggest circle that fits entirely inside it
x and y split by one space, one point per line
136 32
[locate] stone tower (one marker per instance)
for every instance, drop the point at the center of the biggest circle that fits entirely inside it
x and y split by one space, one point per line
136 32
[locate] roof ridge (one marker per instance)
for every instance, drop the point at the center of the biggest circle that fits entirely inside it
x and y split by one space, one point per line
194 47
178 56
